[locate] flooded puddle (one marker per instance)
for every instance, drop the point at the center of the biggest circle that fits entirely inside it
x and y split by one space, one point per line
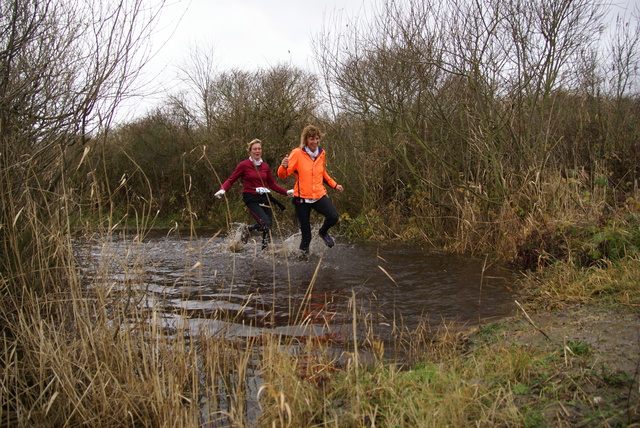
204 283
194 280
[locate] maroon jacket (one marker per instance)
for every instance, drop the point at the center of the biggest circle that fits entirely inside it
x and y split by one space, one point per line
253 177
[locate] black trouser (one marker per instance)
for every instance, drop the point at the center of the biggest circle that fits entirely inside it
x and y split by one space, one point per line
260 209
303 212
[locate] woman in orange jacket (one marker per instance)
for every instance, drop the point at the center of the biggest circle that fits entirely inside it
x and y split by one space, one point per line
307 164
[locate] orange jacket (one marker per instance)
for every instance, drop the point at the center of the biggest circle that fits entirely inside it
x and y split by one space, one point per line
310 175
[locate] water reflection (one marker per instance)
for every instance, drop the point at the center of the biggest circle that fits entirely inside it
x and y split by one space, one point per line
207 283
216 283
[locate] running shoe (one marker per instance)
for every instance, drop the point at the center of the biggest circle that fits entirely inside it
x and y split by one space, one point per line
266 239
244 236
328 239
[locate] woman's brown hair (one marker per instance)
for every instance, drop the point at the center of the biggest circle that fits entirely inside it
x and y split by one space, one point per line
309 131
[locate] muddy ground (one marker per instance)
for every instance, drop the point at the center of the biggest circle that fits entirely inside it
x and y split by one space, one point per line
613 336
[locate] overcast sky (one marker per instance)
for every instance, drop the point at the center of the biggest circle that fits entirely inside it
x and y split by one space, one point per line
250 33
247 34
244 34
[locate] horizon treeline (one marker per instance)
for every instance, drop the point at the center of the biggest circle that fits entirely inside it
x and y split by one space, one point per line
464 125
447 122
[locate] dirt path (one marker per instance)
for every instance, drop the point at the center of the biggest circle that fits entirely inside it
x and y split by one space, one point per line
613 337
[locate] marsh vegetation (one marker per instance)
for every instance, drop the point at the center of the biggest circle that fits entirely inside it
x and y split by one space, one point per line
504 131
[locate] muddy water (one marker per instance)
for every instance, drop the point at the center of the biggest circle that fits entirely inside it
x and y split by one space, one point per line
207 281
204 282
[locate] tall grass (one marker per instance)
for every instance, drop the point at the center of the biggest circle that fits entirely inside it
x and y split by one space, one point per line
91 351
87 349
84 347
450 164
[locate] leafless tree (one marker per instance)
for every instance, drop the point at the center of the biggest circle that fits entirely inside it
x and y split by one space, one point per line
462 84
239 105
198 75
64 67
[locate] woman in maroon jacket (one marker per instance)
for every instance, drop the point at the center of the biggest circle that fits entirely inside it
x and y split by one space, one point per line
257 179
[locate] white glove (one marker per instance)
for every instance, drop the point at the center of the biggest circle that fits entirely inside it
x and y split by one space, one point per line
219 193
262 190
290 193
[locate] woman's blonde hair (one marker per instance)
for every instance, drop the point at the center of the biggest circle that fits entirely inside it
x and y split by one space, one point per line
252 142
309 131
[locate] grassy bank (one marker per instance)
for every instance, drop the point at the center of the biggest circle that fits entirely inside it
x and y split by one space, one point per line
85 349
93 354
570 358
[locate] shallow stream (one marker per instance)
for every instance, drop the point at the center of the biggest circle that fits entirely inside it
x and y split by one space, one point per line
193 279
203 282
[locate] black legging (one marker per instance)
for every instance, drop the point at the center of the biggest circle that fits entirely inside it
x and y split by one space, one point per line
260 209
303 212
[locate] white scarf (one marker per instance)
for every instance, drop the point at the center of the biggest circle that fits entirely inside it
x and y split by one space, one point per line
255 162
313 154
